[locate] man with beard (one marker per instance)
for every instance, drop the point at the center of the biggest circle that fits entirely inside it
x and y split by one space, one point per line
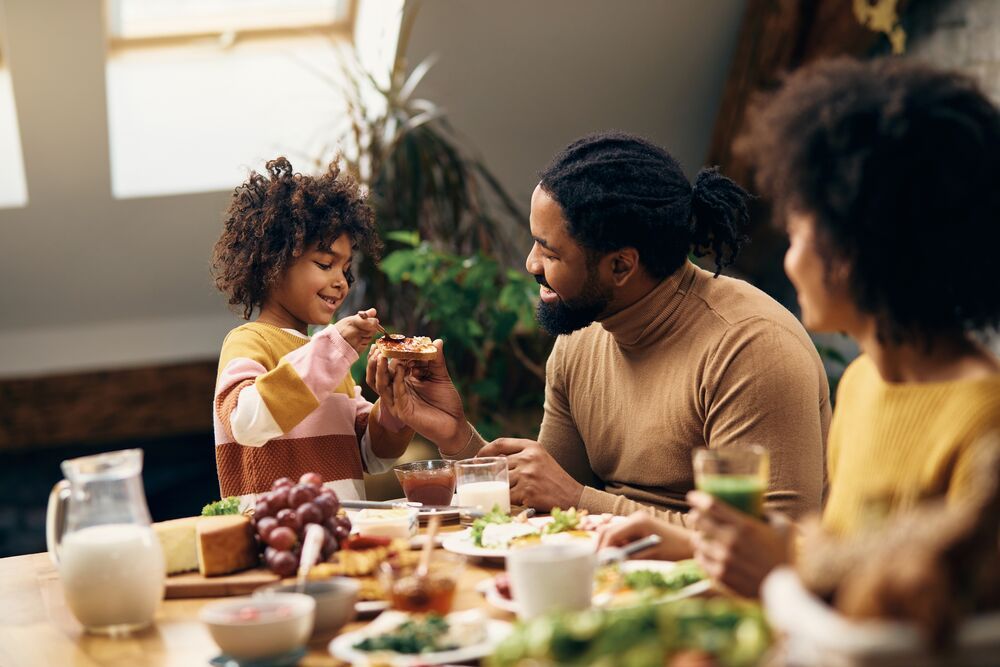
655 357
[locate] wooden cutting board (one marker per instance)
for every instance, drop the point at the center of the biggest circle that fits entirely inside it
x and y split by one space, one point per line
193 585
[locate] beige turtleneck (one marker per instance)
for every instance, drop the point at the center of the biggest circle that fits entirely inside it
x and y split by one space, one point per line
697 362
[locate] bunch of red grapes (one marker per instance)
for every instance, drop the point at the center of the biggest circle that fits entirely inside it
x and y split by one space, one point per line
282 514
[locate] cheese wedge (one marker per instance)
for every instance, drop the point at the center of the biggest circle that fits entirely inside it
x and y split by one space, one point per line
177 537
225 544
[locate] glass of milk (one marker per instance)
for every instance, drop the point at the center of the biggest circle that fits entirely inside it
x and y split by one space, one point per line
482 482
99 536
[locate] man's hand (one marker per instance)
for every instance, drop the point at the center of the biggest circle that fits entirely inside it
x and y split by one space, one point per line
359 329
421 395
675 541
536 480
734 548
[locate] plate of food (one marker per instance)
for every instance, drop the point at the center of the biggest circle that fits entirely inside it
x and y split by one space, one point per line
496 533
401 640
413 348
622 584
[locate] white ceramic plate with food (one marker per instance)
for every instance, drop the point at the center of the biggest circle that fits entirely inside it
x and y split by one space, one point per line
488 587
493 632
462 542
665 568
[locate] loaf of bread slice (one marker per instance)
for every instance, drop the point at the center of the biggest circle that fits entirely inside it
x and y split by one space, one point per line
225 544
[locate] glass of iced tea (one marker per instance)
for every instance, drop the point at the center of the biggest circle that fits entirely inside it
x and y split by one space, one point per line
431 482
433 591
736 475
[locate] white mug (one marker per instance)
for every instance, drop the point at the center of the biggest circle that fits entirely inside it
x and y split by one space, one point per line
551 577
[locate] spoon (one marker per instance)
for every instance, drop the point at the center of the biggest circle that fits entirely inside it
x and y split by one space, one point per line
363 315
425 556
311 547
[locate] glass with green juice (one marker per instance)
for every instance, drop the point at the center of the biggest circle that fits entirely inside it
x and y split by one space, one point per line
736 475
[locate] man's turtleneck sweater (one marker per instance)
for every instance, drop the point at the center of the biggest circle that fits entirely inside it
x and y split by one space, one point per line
697 362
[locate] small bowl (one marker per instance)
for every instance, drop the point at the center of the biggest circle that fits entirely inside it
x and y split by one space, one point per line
431 482
334 597
397 523
254 628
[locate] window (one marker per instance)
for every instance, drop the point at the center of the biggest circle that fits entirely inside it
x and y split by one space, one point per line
159 19
200 90
13 188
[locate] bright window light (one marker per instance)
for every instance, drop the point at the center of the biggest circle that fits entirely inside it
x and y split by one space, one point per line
13 187
191 112
139 19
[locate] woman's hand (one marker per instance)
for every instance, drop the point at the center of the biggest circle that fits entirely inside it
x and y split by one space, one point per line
358 330
422 395
734 548
674 543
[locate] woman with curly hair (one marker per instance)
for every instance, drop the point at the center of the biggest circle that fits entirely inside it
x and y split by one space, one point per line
886 177
285 402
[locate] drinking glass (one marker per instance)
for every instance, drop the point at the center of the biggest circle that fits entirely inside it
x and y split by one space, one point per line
736 475
482 482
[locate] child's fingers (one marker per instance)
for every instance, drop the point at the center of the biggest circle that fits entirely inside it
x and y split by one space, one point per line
365 314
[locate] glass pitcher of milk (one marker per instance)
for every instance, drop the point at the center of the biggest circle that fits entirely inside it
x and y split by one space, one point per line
99 536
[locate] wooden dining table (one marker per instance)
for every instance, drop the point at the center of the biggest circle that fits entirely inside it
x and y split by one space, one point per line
37 629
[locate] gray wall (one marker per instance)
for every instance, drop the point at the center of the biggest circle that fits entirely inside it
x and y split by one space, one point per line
523 78
89 281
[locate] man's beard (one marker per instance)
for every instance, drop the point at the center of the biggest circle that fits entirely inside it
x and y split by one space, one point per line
566 316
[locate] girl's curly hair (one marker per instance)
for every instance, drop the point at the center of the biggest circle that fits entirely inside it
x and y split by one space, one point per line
274 218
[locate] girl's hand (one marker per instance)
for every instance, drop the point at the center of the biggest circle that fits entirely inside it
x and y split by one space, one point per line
422 395
734 548
675 541
358 330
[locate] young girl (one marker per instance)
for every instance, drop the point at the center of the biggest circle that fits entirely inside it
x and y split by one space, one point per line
285 403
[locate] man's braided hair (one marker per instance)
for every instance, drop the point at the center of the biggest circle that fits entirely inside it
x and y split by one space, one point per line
618 190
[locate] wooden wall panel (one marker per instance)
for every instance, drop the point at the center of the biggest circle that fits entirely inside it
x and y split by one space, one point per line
106 406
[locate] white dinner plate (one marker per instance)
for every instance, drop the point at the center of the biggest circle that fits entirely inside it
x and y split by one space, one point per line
370 607
461 542
342 647
424 515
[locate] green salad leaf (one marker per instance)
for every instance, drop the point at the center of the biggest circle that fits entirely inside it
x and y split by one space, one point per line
412 637
496 515
230 505
562 521
735 633
685 573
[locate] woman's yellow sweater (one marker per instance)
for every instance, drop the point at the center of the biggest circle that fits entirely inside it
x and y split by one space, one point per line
892 445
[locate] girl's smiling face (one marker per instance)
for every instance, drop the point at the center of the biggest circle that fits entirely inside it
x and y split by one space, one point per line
312 288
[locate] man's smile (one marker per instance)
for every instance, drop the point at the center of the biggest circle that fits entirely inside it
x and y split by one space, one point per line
545 293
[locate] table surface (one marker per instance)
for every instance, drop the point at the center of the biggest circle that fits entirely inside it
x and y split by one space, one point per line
37 628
